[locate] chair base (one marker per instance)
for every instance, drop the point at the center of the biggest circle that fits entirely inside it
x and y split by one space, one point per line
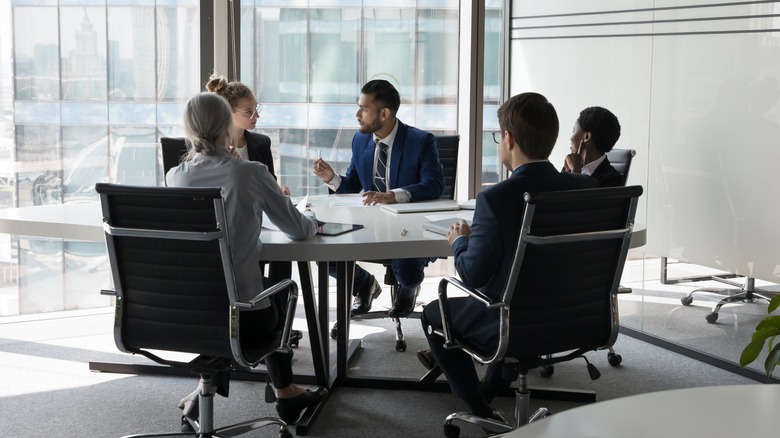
227 431
489 425
203 426
741 293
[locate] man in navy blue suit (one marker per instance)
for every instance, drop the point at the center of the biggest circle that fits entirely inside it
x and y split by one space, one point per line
391 163
484 251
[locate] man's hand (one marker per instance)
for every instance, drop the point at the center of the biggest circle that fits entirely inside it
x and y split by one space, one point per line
459 228
323 170
285 190
373 198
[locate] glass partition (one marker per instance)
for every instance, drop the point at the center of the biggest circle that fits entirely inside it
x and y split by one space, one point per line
703 129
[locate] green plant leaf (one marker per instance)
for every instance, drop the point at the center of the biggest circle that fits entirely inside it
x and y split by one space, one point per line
772 360
751 352
774 304
769 323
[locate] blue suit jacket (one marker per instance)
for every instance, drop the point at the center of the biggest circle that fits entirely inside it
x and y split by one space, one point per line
484 258
414 164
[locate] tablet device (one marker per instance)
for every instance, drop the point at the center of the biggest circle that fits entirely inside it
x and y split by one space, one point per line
334 228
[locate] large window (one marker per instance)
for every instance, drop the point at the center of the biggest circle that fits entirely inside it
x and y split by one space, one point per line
307 67
89 86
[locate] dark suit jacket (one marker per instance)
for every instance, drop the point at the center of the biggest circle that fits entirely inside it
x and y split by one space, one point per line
483 259
606 175
414 164
258 148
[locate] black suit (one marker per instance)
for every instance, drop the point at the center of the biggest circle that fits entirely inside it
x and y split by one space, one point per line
483 261
606 175
258 148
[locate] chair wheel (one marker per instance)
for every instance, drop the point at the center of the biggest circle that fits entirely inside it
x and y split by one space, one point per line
400 346
334 332
546 370
451 431
711 317
614 359
686 301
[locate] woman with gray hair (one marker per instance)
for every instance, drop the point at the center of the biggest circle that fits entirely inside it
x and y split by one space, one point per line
249 191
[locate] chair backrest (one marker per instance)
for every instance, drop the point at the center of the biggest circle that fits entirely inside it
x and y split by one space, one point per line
566 272
448 155
173 149
620 159
172 269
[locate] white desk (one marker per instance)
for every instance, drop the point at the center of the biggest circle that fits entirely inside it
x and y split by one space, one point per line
690 412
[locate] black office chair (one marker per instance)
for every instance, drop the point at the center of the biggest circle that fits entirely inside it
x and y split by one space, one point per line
447 146
175 289
620 159
570 252
173 149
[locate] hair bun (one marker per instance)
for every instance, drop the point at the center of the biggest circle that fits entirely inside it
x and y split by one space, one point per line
216 83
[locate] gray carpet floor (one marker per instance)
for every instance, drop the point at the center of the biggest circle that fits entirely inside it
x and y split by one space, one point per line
47 390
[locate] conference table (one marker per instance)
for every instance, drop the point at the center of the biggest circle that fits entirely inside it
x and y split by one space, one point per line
716 411
386 235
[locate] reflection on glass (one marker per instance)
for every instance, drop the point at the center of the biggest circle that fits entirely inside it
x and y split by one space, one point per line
389 48
492 95
134 156
131 54
83 53
85 161
36 53
177 52
40 276
86 271
334 52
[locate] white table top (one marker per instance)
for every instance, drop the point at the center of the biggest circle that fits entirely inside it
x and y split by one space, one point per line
84 222
713 412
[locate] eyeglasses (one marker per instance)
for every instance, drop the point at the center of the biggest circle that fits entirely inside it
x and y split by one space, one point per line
249 113
497 135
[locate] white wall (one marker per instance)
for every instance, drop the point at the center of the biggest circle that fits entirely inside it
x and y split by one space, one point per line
696 91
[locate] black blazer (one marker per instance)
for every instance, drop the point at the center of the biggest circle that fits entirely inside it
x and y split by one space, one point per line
606 175
258 148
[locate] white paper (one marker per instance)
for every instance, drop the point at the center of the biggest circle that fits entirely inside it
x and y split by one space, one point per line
347 201
466 215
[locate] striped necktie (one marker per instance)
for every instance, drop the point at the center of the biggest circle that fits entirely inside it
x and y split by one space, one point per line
380 184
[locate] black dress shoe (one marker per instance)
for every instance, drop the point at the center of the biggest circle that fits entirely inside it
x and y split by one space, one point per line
403 305
426 359
289 409
364 299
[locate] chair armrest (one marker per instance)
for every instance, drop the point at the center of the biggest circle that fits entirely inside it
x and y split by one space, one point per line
444 306
278 287
292 301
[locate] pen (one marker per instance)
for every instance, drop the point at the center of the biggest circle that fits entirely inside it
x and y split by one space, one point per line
403 232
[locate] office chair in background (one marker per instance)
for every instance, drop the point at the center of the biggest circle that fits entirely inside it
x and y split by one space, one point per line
620 159
173 149
447 146
571 252
175 289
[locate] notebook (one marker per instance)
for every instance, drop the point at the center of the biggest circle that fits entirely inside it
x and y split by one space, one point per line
417 207
441 226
